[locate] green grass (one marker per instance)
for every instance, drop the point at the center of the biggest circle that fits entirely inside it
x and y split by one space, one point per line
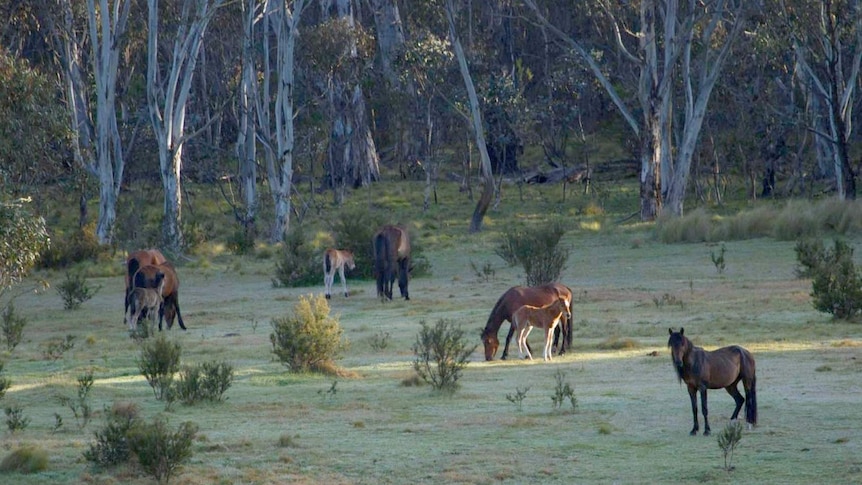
632 420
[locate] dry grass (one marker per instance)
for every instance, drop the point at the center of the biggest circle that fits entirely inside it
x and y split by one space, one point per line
632 420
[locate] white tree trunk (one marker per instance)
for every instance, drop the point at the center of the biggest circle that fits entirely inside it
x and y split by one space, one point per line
246 144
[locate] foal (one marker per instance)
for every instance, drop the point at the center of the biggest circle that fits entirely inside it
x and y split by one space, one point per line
335 260
545 317
145 299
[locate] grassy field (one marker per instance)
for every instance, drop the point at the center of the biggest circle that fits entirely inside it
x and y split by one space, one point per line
632 417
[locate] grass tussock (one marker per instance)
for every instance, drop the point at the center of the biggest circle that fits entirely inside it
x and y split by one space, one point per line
792 220
27 459
618 343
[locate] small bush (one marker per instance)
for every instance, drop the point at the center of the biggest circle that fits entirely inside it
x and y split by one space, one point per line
82 245
12 326
563 391
836 283
112 442
5 383
159 450
80 405
309 339
718 260
441 354
537 250
75 290
299 264
240 242
15 419
380 341
204 382
55 348
728 440
158 362
518 397
27 459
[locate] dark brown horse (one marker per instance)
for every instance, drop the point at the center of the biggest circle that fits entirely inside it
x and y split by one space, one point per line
391 258
723 368
516 297
134 261
148 277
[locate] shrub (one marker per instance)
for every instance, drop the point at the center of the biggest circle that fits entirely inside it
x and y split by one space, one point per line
12 326
158 362
240 241
27 459
537 250
15 419
441 354
159 450
24 237
55 348
309 339
836 283
5 383
75 290
563 391
300 263
728 440
204 382
518 397
81 245
80 406
112 441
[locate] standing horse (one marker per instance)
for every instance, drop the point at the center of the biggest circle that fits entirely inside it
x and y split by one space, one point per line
146 277
701 370
147 300
545 317
391 246
134 261
516 297
335 260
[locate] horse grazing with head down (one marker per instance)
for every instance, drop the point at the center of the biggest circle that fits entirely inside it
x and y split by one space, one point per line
391 246
722 368
335 260
516 297
545 317
148 277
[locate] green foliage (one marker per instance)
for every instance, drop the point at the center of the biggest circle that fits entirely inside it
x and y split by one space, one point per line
75 290
300 263
240 241
380 341
441 354
836 283
728 440
486 273
718 260
309 339
27 459
82 245
159 450
354 229
24 237
5 383
55 348
537 250
15 419
204 382
80 405
112 442
518 397
12 326
563 391
158 362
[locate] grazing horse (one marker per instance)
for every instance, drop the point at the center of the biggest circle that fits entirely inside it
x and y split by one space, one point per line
391 258
134 261
146 278
701 370
335 260
545 317
516 297
145 299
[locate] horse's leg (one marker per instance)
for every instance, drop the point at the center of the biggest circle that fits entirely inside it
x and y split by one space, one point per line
704 410
508 339
692 394
327 283
343 281
403 268
547 353
526 335
177 309
733 391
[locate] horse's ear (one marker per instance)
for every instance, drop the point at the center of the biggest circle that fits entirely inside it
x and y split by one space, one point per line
681 330
670 331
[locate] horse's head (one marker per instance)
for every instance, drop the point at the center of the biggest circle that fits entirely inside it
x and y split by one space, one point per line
567 308
679 345
491 343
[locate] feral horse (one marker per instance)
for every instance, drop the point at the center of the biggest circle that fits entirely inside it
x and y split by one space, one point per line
516 297
391 245
147 300
146 277
335 260
134 261
722 368
545 317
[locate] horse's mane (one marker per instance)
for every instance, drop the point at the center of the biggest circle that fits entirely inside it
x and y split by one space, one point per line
495 320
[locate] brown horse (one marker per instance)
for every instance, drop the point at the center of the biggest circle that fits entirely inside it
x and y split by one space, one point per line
516 297
134 261
335 260
147 300
146 277
545 317
723 368
391 246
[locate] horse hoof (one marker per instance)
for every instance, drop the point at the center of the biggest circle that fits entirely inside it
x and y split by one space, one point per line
693 432
706 433
328 297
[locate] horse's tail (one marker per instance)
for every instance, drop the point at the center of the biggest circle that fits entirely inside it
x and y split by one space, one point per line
749 381
327 263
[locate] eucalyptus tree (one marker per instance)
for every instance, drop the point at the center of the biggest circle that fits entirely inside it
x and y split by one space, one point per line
169 83
671 44
246 144
829 57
